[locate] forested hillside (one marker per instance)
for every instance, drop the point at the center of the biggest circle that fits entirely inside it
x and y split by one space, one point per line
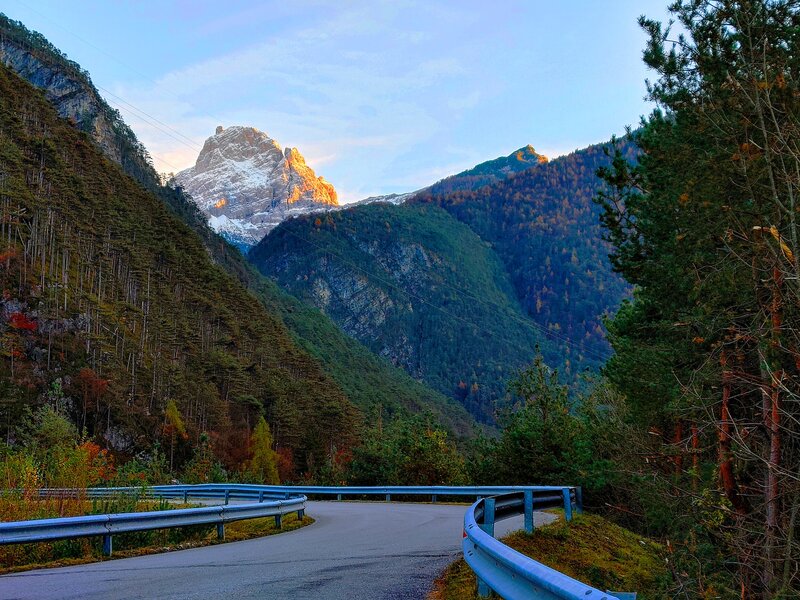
461 306
111 308
416 287
545 229
371 383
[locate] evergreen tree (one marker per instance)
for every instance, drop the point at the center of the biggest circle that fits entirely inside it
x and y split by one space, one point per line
705 227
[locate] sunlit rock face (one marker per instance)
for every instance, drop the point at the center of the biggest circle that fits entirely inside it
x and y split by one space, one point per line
71 93
247 184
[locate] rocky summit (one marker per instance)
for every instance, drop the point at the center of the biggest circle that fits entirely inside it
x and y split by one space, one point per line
247 184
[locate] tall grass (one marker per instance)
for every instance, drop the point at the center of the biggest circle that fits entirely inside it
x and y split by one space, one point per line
24 505
52 458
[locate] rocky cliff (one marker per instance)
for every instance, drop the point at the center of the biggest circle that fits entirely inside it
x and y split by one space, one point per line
76 99
247 184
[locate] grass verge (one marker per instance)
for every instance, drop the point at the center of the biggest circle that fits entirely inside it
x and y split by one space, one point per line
589 549
87 550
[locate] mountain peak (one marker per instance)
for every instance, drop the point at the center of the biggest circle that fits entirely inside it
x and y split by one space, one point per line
528 154
247 184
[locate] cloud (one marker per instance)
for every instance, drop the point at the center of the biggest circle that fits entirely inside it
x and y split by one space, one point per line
470 100
364 91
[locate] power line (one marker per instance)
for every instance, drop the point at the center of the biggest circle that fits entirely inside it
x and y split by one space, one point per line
111 56
186 141
160 157
150 119
147 118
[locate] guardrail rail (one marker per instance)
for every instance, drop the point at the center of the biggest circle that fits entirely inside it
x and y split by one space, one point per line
513 575
498 567
44 530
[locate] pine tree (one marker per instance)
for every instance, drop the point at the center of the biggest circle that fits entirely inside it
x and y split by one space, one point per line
706 227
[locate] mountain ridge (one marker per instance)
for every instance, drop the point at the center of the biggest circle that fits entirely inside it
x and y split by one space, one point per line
490 171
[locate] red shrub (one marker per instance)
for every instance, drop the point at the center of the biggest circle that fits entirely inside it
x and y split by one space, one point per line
19 321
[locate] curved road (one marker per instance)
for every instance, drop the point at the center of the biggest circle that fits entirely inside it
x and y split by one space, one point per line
354 551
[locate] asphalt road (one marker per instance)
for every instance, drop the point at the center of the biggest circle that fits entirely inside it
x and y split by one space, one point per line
354 551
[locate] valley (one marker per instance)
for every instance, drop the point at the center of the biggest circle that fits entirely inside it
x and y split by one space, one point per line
606 322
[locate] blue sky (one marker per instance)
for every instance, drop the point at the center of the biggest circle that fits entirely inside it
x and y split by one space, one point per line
380 97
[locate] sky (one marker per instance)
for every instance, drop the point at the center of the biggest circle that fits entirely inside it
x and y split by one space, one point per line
380 97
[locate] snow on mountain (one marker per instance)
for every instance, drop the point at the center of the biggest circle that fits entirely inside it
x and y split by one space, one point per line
387 198
247 184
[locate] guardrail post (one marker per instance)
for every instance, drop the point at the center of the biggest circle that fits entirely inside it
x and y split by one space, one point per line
483 589
433 499
261 496
227 496
300 514
528 494
388 497
186 496
567 503
108 545
338 496
278 521
488 516
579 500
220 531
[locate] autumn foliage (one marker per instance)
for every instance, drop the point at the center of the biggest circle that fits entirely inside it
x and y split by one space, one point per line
19 321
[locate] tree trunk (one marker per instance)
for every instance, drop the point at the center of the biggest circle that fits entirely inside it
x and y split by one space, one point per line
695 458
677 442
772 422
724 437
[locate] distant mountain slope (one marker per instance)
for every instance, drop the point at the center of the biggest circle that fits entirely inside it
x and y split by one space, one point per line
371 382
455 305
478 176
416 287
543 225
112 307
247 184
368 381
489 172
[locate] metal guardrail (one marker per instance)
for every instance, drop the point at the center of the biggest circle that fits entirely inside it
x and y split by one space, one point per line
505 571
340 492
499 568
43 530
